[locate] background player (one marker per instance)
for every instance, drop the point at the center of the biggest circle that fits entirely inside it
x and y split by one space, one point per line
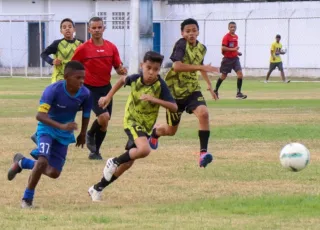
58 107
275 59
98 57
231 60
183 81
62 49
148 93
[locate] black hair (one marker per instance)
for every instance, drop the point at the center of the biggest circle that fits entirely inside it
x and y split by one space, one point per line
66 20
73 66
278 36
95 19
232 23
153 57
189 21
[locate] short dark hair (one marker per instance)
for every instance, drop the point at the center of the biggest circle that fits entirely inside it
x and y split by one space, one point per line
95 19
189 21
66 20
278 36
153 57
232 23
73 66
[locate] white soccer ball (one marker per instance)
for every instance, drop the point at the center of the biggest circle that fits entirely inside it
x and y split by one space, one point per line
283 50
295 157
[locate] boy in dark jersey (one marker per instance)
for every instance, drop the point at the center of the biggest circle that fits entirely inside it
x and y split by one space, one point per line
58 107
183 81
62 49
231 60
98 57
148 93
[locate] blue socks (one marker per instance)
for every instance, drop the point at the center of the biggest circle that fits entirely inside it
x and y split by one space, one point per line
26 163
28 194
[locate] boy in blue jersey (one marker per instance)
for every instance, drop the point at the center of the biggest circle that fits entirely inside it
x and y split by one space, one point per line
59 105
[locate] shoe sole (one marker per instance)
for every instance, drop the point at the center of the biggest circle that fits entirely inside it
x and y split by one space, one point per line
13 171
206 160
241 98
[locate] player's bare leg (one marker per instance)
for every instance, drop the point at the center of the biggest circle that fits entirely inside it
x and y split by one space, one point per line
201 112
240 95
95 191
283 77
268 75
161 130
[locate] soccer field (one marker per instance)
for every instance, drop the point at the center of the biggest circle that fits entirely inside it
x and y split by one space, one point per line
245 187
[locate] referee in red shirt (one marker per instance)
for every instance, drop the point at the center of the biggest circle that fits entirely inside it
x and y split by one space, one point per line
98 57
230 60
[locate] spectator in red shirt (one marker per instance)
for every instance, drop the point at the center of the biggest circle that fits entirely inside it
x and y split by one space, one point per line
98 57
230 61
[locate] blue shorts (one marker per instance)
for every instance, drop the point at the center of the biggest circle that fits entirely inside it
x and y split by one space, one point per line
54 151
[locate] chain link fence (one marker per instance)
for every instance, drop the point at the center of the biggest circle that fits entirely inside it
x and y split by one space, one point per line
25 36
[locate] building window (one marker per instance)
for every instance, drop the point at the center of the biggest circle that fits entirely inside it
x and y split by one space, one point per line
103 16
120 20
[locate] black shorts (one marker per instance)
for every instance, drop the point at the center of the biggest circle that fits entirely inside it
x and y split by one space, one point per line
189 105
96 93
229 64
133 133
274 65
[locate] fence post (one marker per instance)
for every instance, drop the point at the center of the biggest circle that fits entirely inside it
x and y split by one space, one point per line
40 45
245 41
26 47
288 42
204 28
11 50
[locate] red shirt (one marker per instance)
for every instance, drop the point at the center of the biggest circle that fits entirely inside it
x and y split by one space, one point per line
230 41
98 61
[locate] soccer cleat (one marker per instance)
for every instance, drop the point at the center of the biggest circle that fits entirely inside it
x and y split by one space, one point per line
15 167
35 153
34 138
95 156
287 81
153 142
26 203
265 81
109 169
205 159
95 195
216 92
241 96
91 143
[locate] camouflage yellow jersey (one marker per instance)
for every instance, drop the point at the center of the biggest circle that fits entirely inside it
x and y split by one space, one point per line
183 84
140 116
62 49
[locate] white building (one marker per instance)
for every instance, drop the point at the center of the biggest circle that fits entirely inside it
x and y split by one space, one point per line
258 23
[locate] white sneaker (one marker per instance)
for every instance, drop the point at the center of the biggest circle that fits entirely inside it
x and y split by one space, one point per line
95 195
265 81
109 169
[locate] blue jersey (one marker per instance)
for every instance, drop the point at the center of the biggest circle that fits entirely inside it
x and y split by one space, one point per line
62 107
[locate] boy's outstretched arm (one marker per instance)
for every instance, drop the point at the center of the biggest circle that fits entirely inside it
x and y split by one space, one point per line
44 118
178 66
104 101
86 108
172 106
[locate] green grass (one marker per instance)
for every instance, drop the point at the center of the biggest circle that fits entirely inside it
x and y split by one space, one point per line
245 188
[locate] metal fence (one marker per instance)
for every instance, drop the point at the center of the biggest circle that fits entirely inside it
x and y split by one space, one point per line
23 38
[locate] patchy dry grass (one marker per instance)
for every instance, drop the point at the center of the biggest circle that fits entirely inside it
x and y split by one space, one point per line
245 188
